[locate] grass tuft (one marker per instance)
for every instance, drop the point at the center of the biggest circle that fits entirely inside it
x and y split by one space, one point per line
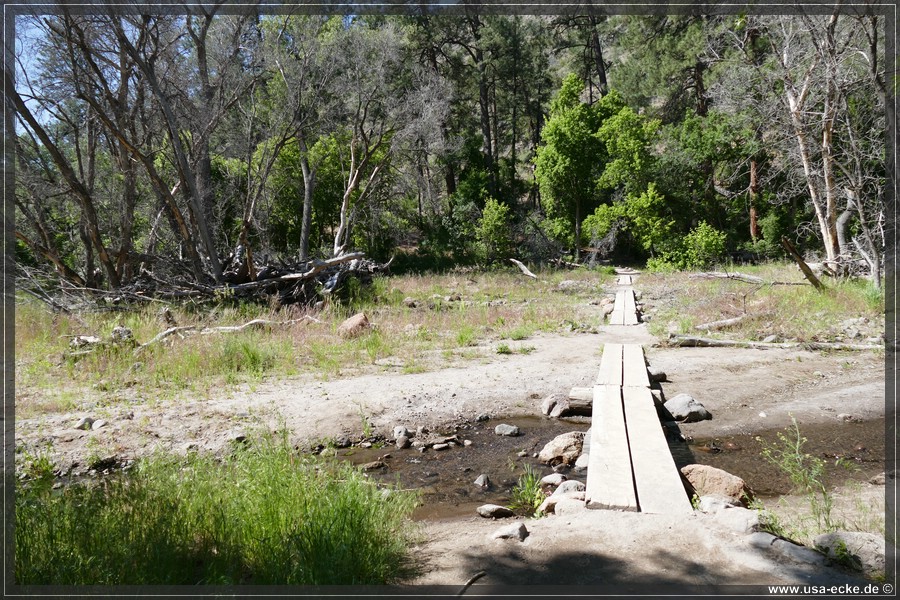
263 515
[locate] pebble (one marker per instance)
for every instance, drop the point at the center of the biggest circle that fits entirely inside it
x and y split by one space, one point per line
98 424
483 481
467 443
440 446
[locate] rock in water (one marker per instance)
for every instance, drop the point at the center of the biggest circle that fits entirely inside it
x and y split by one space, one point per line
563 448
553 479
483 481
686 409
355 326
710 481
507 430
494 511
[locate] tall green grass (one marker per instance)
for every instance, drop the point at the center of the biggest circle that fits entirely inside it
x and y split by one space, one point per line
263 515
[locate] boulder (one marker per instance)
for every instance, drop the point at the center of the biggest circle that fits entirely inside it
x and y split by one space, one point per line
710 481
739 519
686 409
494 511
713 503
550 402
355 326
564 449
861 551
507 430
551 503
570 504
513 531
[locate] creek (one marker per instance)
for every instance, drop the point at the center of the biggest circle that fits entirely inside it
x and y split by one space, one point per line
446 477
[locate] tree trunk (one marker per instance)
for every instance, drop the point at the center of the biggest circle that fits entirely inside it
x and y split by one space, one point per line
309 184
754 195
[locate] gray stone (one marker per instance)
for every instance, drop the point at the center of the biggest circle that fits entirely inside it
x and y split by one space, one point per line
507 430
401 431
467 443
440 446
581 464
483 481
568 487
373 466
656 375
513 531
798 553
770 339
565 448
483 417
494 511
553 479
739 519
343 441
410 302
570 504
863 551
686 409
84 423
403 442
98 424
713 503
548 404
122 335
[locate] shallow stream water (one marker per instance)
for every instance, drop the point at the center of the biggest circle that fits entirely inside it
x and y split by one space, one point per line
446 477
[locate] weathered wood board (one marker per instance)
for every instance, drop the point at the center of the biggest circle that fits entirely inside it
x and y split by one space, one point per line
611 365
610 483
657 480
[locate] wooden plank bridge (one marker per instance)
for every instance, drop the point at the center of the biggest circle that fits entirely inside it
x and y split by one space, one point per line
630 466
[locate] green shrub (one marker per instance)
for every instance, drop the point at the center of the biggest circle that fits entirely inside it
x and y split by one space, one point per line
703 246
493 232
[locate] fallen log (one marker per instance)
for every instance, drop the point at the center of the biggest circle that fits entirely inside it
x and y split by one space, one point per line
317 267
720 324
734 276
700 342
807 272
523 268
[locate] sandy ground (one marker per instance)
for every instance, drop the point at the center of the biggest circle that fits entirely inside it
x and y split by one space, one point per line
588 547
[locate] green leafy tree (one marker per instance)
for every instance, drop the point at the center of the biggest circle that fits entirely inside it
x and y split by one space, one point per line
571 157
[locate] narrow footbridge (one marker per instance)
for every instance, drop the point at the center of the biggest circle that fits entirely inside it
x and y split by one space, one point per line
630 466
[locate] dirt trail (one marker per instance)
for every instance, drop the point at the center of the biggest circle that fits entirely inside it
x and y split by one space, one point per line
736 385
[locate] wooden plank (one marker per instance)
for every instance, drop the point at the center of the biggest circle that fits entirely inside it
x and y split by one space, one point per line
610 483
630 308
634 367
610 365
624 280
657 481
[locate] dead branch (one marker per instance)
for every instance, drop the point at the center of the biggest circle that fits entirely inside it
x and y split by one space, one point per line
720 324
161 336
734 276
700 342
523 268
317 267
256 324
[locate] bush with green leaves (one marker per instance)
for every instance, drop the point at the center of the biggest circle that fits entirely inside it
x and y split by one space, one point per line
493 232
